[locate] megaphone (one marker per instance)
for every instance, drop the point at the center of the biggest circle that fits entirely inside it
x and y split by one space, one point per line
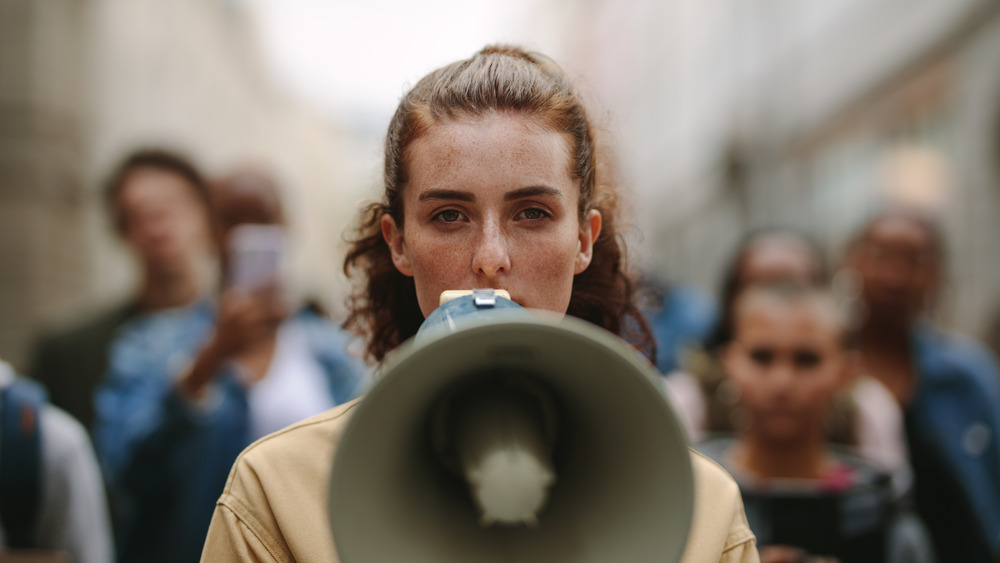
508 435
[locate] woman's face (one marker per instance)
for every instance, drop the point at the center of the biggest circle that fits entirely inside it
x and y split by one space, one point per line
164 221
490 203
786 360
898 266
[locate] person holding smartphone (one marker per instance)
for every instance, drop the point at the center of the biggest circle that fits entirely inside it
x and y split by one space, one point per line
289 361
189 389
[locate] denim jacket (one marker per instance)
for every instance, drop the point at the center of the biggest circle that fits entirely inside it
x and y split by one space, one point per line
955 412
166 459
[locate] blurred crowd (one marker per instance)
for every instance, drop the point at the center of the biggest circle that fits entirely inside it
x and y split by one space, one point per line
149 404
857 428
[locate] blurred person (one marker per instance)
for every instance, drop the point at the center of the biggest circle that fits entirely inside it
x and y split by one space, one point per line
188 389
787 357
763 256
252 327
51 493
159 204
492 180
948 386
698 386
864 417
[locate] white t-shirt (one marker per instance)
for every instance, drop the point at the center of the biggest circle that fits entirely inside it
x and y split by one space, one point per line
294 388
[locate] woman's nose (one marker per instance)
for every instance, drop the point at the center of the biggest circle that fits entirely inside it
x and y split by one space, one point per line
492 254
781 376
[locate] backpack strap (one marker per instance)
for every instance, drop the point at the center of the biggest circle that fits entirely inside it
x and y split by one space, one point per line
20 461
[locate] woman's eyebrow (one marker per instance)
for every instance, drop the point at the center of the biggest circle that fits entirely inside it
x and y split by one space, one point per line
532 191
454 195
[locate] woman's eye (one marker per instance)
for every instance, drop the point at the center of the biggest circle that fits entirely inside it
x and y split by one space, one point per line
761 356
533 214
806 359
448 216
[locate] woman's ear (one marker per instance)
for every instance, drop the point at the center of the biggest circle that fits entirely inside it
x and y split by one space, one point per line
393 236
590 230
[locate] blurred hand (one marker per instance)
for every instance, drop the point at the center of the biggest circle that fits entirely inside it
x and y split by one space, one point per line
245 319
245 329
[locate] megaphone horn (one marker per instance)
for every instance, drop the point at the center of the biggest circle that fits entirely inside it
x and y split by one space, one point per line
508 435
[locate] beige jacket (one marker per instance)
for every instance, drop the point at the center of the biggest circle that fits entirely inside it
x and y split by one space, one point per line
274 505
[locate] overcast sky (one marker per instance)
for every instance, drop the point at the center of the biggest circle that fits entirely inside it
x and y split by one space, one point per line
353 60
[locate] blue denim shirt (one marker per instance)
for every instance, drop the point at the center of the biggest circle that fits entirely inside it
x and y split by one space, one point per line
686 319
955 413
165 459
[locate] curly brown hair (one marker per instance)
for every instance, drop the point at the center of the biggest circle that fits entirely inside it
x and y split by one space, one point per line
383 306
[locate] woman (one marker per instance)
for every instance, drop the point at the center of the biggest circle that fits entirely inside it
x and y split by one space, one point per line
764 256
947 386
788 355
492 179
701 390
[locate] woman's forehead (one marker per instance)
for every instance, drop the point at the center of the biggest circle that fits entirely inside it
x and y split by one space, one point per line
772 256
500 126
810 316
898 230
501 145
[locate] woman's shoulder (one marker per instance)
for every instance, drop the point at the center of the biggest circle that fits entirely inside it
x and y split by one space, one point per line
295 460
270 502
712 479
719 528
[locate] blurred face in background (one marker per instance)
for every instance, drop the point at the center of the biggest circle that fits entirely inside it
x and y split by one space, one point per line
786 361
490 203
898 265
779 258
163 220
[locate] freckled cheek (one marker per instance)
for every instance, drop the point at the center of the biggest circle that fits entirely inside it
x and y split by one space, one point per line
437 266
556 263
547 271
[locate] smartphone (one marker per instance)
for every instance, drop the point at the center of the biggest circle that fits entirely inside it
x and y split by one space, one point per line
256 256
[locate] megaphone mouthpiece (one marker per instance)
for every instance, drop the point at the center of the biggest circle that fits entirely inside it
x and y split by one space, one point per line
501 442
497 433
510 488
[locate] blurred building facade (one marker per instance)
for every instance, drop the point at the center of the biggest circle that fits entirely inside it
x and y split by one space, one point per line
735 114
82 82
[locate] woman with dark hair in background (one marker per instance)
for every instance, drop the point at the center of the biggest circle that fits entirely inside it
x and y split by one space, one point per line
948 386
788 356
492 180
768 255
159 206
